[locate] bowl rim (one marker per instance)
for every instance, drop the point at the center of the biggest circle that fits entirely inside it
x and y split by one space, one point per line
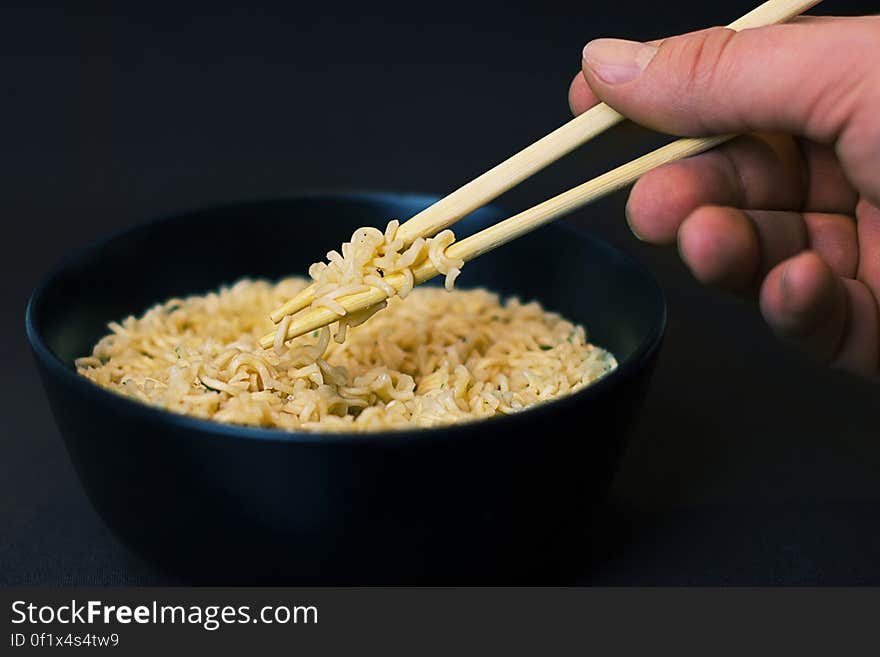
57 367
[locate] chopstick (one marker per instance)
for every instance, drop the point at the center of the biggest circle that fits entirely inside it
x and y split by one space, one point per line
558 143
511 172
535 157
509 229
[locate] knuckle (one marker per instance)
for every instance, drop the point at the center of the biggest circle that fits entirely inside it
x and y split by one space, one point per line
702 58
700 63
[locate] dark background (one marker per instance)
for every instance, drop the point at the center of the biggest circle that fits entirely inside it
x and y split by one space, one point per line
751 465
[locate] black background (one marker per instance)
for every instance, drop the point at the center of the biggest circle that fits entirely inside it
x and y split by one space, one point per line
751 465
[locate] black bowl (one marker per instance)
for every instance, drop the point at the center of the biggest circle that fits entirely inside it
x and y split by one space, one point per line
490 501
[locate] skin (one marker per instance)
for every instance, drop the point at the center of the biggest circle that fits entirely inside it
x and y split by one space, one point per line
790 211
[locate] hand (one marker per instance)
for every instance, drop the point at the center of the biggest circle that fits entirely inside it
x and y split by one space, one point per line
792 208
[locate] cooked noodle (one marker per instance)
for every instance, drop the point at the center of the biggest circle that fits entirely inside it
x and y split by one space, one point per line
436 358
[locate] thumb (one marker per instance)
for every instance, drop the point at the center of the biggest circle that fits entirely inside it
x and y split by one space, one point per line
813 78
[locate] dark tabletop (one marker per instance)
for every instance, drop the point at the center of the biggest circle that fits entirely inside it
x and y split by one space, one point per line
750 465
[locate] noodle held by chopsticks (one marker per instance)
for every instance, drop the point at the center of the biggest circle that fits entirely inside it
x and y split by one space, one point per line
366 260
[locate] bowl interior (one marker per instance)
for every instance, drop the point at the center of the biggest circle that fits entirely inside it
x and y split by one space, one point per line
567 270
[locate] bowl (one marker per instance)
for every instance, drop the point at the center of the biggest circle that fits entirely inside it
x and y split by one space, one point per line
494 501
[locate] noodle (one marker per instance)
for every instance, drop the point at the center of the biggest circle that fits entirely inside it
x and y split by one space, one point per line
368 258
435 359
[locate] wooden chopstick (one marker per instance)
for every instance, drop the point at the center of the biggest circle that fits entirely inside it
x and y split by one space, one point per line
532 159
577 197
558 143
509 229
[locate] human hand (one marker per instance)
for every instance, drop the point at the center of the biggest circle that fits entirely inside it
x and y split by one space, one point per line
790 210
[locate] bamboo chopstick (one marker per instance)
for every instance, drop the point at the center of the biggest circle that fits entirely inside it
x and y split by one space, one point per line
509 229
558 143
535 157
529 161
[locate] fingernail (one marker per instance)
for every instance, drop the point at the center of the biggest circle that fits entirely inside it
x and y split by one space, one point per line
630 223
617 61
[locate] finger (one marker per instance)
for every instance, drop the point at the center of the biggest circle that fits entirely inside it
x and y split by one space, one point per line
859 351
834 238
720 247
580 96
811 79
735 249
823 20
806 305
753 171
868 226
833 319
